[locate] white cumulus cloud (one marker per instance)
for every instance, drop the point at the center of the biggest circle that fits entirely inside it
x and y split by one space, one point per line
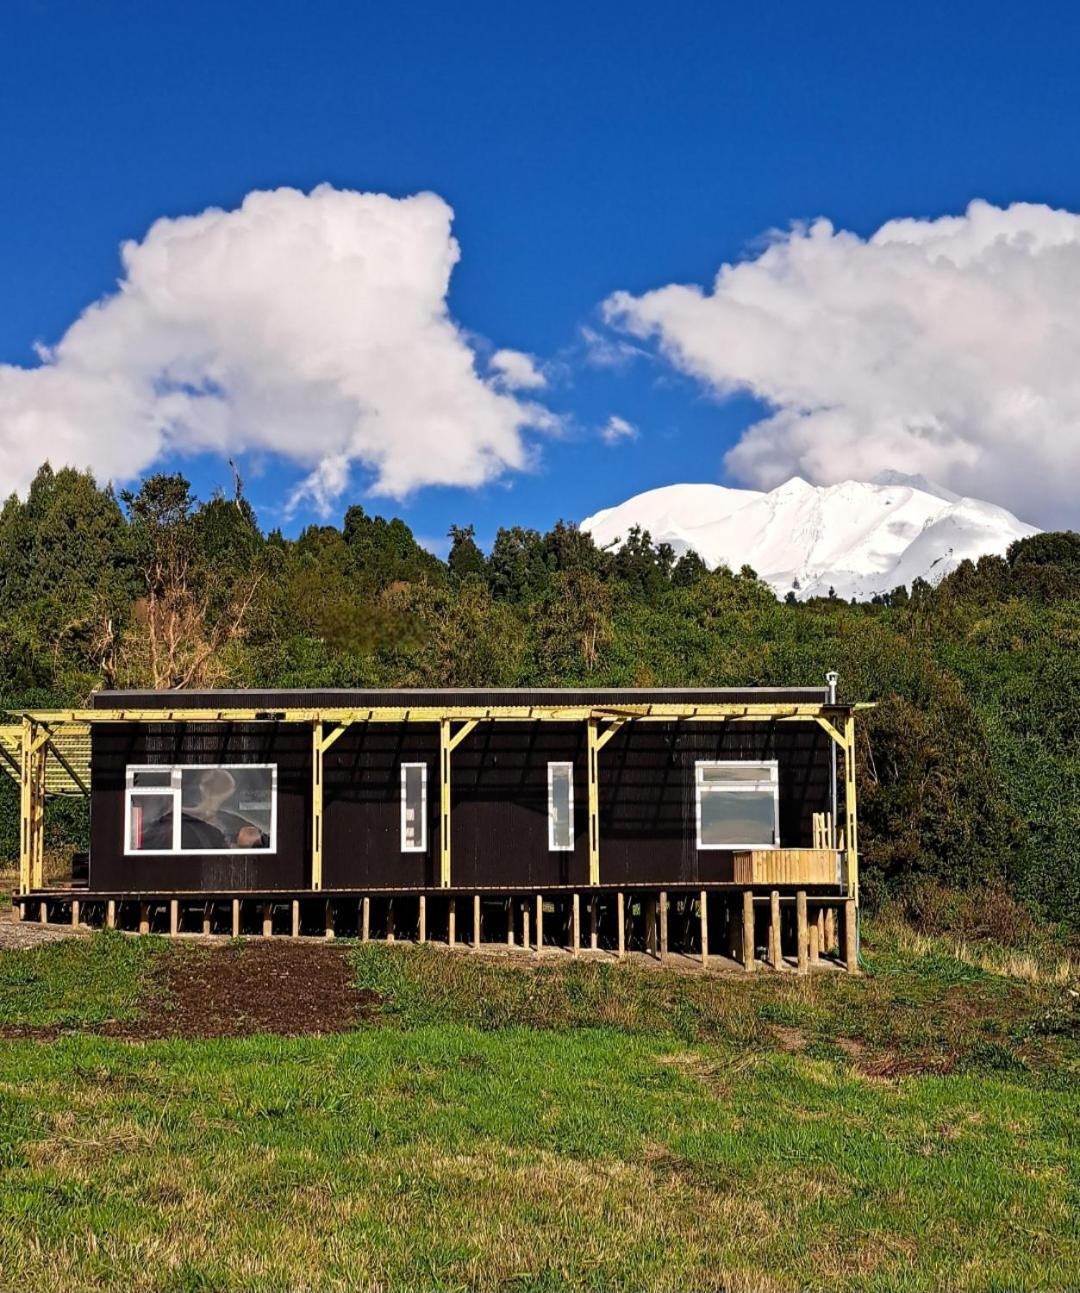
617 429
314 326
516 371
947 348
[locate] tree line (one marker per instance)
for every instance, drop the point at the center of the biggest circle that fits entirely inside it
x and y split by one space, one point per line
969 766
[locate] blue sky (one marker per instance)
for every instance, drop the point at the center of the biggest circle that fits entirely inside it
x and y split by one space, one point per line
584 149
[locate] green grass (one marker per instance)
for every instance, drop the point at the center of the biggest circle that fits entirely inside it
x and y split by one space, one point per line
76 982
574 1126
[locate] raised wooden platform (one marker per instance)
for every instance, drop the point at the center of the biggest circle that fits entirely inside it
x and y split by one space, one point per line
805 926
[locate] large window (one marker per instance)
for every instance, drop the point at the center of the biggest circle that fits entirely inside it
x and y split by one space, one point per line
560 806
201 808
738 805
414 808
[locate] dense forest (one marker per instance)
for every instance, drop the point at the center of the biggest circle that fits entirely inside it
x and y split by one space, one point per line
969 765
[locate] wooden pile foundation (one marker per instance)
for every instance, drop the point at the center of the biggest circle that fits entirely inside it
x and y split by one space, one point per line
799 931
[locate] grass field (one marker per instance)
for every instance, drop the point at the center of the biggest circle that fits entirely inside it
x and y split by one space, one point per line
571 1125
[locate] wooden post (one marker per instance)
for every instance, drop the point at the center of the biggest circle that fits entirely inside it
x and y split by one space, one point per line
650 926
748 948
295 924
451 923
703 916
525 925
422 931
390 933
329 929
828 945
820 923
775 953
74 913
663 916
144 917
575 925
268 919
316 804
592 773
815 943
444 805
620 907
801 932
110 914
174 917
594 922
510 922
851 956
207 913
236 918
476 918
365 918
539 923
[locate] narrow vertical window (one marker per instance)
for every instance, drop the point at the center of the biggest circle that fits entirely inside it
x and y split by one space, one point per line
560 805
414 807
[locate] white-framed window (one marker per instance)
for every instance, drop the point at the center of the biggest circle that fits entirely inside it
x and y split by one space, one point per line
414 808
738 804
195 808
561 806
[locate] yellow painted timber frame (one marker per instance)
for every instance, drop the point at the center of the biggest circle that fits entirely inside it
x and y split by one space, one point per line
327 725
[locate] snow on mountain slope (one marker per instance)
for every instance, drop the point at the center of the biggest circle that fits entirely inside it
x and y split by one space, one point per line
858 538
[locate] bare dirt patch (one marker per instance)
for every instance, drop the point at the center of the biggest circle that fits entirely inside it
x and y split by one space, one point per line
285 988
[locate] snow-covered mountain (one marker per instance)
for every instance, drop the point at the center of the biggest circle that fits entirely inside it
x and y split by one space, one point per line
859 538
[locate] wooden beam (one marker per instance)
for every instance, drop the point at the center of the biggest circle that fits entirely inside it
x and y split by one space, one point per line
444 803
776 956
451 923
575 924
539 923
365 918
294 931
802 934
510 918
75 913
525 924
593 756
815 944
144 917
851 825
851 937
391 933
207 914
594 922
267 920
174 917
236 918
663 918
620 906
828 945
477 917
316 805
421 932
748 948
110 914
703 919
328 929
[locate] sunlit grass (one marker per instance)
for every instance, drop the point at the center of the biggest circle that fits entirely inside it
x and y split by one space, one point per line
572 1126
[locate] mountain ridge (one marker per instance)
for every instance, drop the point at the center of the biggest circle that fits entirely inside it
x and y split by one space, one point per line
859 538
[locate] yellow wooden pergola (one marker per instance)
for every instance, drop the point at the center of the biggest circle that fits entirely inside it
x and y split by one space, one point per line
48 753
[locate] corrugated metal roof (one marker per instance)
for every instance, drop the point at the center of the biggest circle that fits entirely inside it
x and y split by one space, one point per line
69 745
345 698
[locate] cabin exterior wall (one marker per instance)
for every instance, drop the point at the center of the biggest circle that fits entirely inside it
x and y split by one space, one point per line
499 803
